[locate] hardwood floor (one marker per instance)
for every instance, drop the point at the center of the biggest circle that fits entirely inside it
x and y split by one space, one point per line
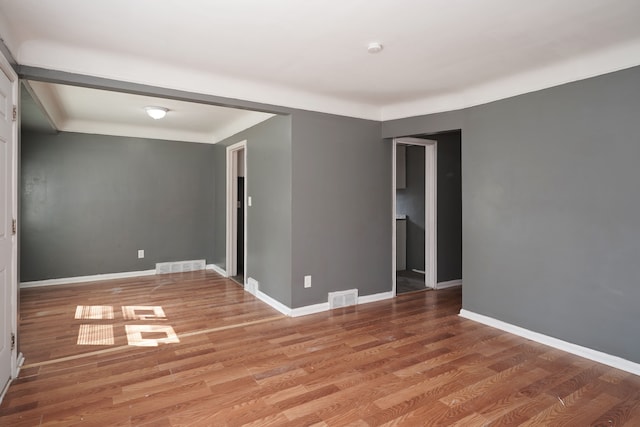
407 361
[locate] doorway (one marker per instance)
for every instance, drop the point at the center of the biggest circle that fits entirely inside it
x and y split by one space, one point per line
414 214
236 212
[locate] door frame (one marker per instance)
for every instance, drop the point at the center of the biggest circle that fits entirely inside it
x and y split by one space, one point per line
430 199
16 357
233 151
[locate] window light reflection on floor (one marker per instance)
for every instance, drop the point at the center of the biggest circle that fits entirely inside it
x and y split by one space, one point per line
143 312
94 312
137 335
95 335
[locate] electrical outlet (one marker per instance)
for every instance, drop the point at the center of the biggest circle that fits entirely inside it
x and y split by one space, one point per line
140 253
307 281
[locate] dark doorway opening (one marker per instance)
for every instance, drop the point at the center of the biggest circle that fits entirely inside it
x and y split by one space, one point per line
239 277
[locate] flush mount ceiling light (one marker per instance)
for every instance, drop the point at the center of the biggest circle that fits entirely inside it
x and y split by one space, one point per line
374 47
156 113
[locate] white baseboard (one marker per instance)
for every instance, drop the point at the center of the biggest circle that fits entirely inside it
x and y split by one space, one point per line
253 286
449 284
217 269
273 303
375 297
81 279
19 363
315 308
309 309
587 353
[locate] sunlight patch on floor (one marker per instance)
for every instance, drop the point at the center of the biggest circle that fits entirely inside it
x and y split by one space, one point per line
139 335
143 312
94 312
95 335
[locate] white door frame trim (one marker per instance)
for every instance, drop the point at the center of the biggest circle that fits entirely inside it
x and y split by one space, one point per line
16 358
232 212
430 199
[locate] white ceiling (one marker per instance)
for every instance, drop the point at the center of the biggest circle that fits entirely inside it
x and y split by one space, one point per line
438 54
84 110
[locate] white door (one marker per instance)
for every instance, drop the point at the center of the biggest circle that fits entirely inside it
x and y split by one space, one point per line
7 274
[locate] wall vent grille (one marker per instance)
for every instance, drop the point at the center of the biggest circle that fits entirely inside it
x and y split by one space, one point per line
180 266
343 298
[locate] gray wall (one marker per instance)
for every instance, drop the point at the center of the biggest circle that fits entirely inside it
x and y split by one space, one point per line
410 201
89 202
268 177
219 164
449 206
551 229
341 207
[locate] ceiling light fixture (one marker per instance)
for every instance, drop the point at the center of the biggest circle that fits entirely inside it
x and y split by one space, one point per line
156 113
374 47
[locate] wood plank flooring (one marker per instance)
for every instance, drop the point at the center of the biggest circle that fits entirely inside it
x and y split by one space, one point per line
408 361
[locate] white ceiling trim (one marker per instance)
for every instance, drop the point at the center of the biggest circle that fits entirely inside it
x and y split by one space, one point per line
120 67
104 64
570 70
150 132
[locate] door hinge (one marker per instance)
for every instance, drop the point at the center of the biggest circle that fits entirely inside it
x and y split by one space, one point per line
14 226
13 341
15 113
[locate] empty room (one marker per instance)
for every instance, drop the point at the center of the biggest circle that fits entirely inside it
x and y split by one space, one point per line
279 213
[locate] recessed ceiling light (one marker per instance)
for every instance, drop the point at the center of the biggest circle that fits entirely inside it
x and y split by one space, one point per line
156 112
374 47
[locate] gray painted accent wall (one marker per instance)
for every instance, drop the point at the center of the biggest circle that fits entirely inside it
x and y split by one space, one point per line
219 164
410 202
551 229
341 207
89 202
268 175
449 207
